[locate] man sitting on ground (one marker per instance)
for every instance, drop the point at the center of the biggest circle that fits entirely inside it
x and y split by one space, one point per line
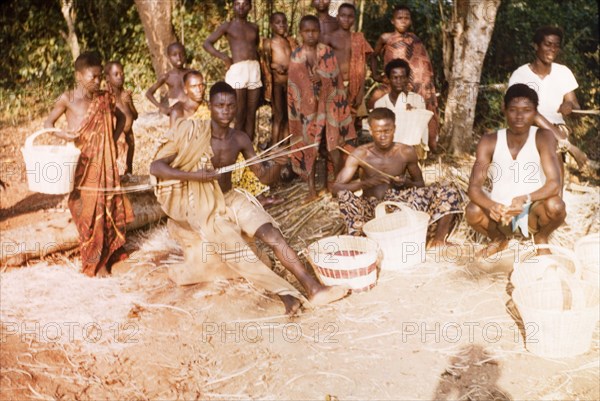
209 219
384 156
522 164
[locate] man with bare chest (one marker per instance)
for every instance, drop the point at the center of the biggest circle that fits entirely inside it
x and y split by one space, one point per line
194 105
351 50
214 222
115 79
377 163
275 57
94 123
327 22
243 68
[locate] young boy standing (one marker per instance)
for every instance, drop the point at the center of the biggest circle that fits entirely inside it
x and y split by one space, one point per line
100 216
326 22
406 45
173 79
275 60
115 78
316 103
243 68
351 51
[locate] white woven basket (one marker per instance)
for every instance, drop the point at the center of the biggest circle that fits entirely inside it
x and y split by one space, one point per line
558 329
50 168
412 126
587 250
401 235
532 268
345 260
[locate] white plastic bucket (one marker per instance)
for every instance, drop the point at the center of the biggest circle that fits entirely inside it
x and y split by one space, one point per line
50 168
402 236
412 126
345 260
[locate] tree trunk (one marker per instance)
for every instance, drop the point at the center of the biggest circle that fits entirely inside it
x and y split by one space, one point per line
156 19
473 24
68 11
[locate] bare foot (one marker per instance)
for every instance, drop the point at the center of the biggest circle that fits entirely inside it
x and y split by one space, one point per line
326 295
102 272
292 305
492 249
310 198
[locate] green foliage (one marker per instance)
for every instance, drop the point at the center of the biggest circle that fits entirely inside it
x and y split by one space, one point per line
114 29
193 21
37 65
35 58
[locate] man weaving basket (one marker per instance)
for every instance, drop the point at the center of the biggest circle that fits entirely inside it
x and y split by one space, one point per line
522 164
212 221
382 167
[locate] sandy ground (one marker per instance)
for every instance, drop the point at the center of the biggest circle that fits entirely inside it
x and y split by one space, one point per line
439 331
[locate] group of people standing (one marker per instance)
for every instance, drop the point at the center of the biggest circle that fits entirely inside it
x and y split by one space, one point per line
317 92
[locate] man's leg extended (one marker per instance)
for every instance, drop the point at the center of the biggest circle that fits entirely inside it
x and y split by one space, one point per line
318 294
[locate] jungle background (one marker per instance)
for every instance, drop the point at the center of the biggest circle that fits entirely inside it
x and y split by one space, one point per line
156 343
37 60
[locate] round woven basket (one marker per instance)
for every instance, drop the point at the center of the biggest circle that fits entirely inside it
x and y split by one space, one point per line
532 268
345 260
588 252
401 235
559 321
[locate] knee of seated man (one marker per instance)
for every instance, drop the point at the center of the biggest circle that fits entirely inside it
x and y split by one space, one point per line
473 213
269 234
555 207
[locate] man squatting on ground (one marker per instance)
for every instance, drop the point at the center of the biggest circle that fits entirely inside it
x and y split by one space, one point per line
522 164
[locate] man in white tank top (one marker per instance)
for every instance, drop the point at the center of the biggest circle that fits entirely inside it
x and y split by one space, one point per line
524 170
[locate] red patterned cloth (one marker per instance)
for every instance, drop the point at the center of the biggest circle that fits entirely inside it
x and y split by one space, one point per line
314 107
100 216
358 62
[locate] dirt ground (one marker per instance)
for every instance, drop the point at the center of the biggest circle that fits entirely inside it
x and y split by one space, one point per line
439 331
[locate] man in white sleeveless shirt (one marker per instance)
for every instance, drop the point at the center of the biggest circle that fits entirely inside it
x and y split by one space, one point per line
523 167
